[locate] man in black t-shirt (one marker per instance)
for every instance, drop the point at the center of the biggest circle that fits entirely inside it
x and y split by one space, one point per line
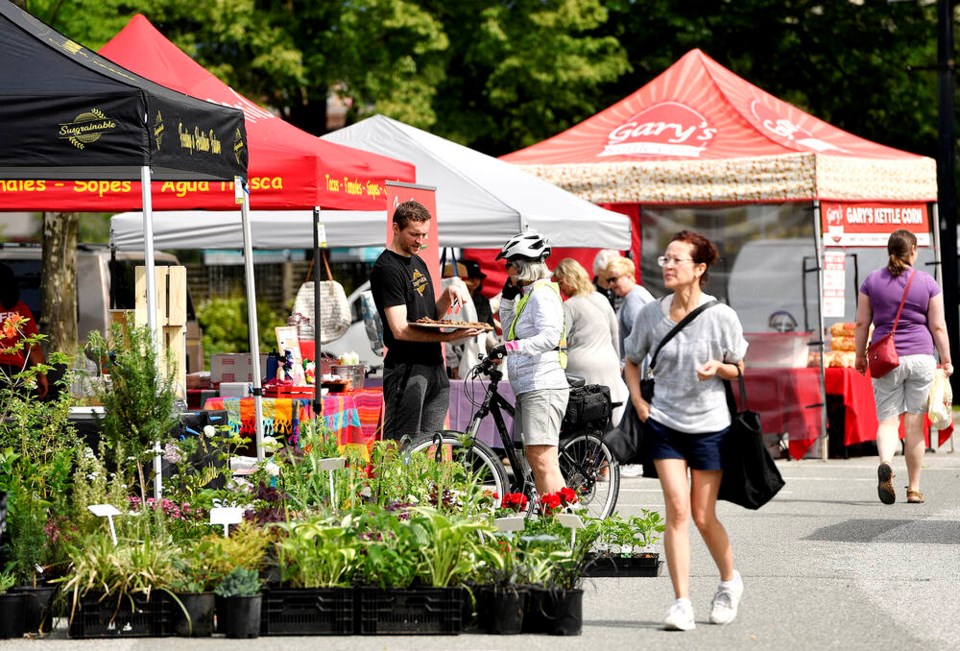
416 392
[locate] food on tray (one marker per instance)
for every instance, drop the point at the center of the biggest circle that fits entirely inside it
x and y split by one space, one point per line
839 359
842 329
844 344
433 323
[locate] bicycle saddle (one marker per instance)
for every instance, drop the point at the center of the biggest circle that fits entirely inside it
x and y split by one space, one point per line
575 381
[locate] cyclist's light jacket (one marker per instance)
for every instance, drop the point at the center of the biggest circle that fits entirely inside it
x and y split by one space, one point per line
535 364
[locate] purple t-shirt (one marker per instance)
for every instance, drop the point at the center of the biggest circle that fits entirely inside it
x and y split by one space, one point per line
885 292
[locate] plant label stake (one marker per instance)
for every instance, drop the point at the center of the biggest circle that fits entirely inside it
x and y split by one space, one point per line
571 522
226 515
330 465
511 523
106 511
157 471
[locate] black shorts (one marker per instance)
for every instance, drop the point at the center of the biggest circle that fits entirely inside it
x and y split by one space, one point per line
701 451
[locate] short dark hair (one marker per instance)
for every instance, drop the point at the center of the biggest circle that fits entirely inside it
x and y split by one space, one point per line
410 211
704 251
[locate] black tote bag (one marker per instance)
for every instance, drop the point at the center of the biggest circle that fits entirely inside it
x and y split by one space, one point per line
750 475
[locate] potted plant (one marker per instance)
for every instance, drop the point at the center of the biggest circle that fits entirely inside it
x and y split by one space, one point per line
199 575
138 400
126 589
501 599
624 546
240 615
11 608
318 561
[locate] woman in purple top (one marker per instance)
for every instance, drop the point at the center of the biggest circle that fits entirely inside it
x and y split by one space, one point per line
920 330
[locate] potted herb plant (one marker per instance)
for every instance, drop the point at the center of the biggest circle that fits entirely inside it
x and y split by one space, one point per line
624 546
242 600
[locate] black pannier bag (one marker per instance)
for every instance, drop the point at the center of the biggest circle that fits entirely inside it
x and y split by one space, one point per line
588 405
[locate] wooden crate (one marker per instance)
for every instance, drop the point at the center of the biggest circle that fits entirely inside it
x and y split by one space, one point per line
171 287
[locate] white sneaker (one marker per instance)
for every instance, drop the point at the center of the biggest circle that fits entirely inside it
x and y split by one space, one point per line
631 470
723 610
680 616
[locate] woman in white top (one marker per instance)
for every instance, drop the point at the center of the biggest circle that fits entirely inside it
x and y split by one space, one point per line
593 337
688 418
531 313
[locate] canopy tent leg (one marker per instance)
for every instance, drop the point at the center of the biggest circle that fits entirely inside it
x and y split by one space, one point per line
938 270
317 374
818 245
252 315
146 192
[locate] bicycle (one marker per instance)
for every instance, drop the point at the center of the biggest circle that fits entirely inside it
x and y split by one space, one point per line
587 465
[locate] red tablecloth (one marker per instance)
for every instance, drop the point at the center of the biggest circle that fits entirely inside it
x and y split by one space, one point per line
788 401
860 416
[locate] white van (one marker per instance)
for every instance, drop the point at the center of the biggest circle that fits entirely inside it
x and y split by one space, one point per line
105 281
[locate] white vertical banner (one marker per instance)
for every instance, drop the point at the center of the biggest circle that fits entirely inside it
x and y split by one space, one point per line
834 283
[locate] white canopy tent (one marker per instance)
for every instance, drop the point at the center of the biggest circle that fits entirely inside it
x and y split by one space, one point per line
482 201
271 229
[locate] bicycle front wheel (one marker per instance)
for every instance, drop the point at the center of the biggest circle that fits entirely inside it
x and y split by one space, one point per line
478 458
590 470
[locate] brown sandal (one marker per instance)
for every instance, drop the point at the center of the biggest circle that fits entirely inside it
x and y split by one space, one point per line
914 497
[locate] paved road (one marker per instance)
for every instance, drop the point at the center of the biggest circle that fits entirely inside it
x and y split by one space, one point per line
826 566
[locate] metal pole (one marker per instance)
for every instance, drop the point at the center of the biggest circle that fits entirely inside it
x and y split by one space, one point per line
146 190
946 174
254 331
818 244
317 375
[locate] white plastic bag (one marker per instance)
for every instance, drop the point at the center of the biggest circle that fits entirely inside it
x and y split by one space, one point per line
940 402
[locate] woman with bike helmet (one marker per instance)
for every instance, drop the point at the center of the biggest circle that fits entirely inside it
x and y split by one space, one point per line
687 418
532 316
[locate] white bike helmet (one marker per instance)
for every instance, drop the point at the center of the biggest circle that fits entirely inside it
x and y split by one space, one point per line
526 246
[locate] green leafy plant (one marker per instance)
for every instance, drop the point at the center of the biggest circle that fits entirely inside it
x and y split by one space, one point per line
7 581
453 546
198 571
319 553
246 548
38 452
138 400
240 582
636 534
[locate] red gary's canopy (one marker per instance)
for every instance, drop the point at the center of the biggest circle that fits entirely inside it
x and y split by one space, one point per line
288 168
700 134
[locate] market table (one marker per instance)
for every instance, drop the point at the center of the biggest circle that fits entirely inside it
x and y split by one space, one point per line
860 409
465 397
352 415
788 401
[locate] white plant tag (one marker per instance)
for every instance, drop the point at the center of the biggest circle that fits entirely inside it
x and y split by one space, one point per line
226 515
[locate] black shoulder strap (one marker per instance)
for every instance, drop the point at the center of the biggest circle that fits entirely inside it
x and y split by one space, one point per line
677 328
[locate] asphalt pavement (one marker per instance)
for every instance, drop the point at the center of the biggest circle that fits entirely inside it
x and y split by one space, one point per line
825 566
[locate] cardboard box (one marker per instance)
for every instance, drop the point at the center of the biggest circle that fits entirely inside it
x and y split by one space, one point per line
234 367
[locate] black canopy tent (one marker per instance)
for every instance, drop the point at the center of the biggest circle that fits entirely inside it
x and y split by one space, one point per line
67 113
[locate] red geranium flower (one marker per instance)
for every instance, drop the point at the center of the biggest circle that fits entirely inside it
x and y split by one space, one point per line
568 496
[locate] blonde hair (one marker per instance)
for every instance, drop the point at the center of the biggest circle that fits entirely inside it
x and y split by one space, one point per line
622 267
574 275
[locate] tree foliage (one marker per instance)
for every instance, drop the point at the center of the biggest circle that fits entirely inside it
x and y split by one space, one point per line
503 74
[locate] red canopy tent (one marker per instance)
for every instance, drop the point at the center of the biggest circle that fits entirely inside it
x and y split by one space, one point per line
699 147
289 168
